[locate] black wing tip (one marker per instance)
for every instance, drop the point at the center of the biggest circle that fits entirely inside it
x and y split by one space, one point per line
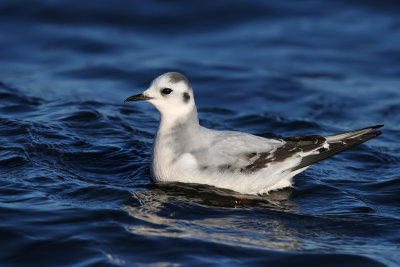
376 126
364 137
375 133
372 127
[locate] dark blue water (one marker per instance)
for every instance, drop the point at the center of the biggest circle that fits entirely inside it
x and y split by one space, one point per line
75 187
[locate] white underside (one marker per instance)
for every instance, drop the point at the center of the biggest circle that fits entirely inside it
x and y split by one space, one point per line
272 177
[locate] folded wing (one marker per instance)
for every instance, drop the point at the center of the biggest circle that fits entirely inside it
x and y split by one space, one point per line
336 144
311 149
235 152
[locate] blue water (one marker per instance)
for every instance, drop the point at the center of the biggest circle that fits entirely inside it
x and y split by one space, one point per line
75 186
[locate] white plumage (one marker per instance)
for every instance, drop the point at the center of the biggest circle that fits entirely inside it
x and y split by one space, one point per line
184 151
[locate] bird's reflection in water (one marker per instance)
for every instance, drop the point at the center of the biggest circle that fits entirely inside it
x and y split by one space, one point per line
214 215
222 198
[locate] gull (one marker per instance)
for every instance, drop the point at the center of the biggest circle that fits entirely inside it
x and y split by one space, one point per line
184 151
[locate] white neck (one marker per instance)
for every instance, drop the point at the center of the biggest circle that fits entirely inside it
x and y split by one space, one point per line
173 119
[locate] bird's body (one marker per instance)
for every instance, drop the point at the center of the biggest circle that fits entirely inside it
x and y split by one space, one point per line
184 151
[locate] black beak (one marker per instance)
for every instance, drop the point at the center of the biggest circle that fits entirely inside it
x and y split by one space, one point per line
138 97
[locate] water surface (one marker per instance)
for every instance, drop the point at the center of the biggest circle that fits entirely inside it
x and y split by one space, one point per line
75 187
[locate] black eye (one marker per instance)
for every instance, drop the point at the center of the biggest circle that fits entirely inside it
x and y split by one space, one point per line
166 91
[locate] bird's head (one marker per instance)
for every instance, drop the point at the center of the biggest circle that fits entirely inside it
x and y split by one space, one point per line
172 95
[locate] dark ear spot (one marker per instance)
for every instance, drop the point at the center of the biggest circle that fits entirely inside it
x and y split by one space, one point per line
186 97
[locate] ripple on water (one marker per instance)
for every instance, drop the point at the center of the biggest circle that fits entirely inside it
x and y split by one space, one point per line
74 160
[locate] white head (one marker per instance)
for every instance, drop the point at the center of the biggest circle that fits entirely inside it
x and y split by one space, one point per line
172 95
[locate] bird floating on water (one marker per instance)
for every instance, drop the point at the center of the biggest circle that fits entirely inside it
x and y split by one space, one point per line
184 151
